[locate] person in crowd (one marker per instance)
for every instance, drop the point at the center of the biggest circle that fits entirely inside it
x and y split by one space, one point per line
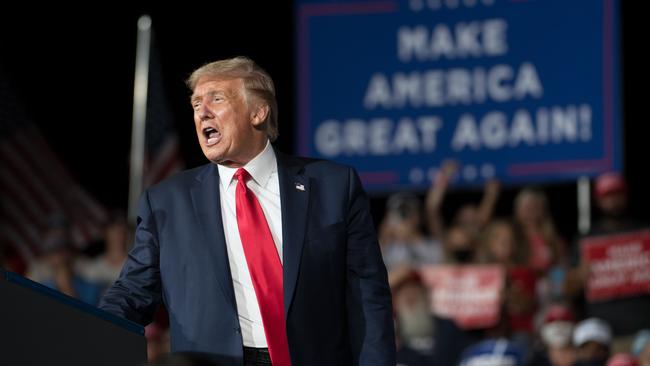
413 322
258 255
535 227
413 314
459 246
470 217
105 269
555 333
543 248
499 246
459 249
157 340
592 338
56 268
611 198
403 244
626 315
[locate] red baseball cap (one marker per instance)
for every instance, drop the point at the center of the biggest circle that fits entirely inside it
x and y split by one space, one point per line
558 312
607 183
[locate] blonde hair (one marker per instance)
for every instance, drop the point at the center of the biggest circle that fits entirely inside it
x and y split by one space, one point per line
485 254
257 82
546 225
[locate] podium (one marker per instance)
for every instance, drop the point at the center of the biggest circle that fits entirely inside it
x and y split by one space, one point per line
41 326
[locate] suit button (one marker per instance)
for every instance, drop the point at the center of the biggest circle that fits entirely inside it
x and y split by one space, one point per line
237 330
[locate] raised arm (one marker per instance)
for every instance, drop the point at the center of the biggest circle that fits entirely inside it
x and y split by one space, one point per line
436 195
488 202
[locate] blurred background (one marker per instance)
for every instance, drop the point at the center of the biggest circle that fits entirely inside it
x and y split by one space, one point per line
66 104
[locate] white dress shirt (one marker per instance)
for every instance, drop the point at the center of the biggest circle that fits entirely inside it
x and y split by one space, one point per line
266 186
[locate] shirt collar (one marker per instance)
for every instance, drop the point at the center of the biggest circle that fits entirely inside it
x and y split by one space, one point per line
260 168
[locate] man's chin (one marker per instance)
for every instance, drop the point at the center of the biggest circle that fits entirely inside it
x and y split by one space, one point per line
212 155
219 159
215 160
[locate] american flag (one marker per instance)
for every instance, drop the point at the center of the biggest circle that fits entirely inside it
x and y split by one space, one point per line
162 147
36 186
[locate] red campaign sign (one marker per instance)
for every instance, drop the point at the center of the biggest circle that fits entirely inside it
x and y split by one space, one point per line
470 295
619 265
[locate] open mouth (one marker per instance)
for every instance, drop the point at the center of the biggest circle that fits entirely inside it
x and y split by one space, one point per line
212 136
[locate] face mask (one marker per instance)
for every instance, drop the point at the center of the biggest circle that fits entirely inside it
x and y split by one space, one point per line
462 255
557 334
415 322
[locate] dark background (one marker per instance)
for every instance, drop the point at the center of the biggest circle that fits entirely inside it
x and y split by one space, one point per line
72 69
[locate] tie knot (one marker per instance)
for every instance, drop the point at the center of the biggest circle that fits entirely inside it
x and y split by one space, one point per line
242 175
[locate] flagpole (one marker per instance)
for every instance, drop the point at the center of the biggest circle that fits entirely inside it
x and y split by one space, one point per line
139 114
584 205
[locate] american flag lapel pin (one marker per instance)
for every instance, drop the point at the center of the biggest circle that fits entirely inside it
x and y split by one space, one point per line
300 186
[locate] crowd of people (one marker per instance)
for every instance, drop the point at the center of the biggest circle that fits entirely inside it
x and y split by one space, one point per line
543 314
544 317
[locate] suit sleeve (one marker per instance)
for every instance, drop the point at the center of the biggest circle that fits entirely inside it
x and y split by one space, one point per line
137 292
369 304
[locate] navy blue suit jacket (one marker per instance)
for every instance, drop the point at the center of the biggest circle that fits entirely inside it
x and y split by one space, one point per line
336 295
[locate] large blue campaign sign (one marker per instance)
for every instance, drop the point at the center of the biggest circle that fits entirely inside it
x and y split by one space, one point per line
517 90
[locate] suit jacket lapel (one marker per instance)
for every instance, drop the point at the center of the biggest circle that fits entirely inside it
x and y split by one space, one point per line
207 208
294 196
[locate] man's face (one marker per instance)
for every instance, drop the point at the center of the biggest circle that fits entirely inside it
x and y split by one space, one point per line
226 122
530 209
613 203
591 351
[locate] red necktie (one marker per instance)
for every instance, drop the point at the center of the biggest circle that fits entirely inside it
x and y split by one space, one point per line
265 268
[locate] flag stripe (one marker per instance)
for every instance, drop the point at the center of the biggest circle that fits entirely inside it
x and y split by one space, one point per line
15 158
13 214
39 155
45 189
89 204
55 191
164 154
16 186
18 192
165 164
36 186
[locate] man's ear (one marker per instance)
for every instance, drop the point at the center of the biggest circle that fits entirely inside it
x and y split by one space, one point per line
259 114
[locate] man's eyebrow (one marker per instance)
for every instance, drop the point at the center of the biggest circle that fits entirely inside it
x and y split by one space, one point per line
211 93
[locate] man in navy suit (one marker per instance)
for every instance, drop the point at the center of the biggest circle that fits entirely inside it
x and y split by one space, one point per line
190 251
